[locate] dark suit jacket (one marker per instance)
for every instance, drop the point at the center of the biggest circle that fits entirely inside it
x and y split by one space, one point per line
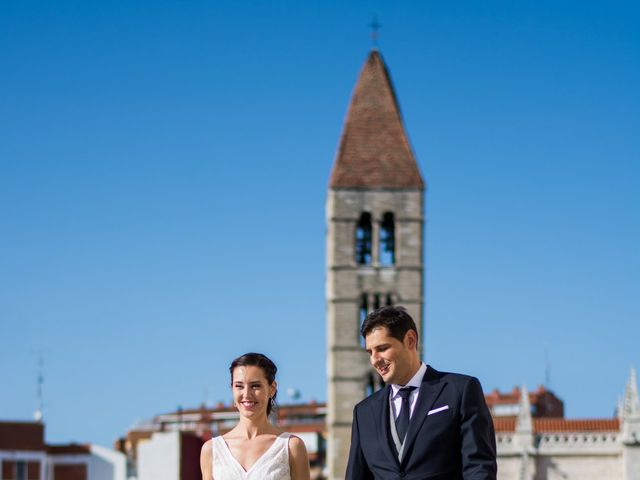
456 443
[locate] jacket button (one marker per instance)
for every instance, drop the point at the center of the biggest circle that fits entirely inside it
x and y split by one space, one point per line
403 474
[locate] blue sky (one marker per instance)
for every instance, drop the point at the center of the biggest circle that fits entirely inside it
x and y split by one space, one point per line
163 171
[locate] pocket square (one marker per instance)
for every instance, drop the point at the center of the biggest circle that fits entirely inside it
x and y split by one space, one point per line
436 410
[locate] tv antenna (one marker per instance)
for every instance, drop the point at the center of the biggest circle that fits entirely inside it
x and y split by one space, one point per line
37 414
547 366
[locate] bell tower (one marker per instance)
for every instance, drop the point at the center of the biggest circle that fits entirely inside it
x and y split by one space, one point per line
375 217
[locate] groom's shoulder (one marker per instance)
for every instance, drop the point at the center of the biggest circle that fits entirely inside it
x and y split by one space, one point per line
460 379
375 398
454 376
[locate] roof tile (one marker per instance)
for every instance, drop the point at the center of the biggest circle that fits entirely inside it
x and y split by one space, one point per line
374 149
544 425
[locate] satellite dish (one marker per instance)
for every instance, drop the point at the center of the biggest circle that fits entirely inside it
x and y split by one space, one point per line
294 393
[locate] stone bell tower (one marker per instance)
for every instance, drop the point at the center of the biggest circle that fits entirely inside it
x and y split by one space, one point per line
375 217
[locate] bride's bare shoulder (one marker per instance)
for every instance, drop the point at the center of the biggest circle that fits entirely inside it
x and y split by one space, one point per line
206 460
207 447
206 455
298 459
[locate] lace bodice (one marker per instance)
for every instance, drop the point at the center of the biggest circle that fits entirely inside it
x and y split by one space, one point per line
272 465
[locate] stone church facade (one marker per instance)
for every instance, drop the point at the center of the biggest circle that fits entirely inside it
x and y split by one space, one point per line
374 242
374 245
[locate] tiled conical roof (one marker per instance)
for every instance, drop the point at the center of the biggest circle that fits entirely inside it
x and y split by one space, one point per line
374 149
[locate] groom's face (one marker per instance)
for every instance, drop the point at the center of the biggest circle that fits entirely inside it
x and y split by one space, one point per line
391 358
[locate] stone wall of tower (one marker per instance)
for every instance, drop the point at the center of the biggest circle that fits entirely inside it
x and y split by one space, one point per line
348 366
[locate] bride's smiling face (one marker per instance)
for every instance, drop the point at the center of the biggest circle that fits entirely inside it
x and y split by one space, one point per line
251 390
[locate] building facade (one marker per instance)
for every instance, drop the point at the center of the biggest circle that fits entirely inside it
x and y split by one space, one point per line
24 455
556 448
374 216
167 447
534 440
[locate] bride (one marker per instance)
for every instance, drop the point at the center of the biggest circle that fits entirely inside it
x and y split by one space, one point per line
254 449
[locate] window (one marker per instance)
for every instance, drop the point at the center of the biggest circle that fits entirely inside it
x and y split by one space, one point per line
21 470
33 470
363 310
387 240
373 384
369 387
376 301
8 469
72 471
363 240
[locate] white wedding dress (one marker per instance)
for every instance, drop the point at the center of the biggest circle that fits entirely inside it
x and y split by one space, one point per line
272 465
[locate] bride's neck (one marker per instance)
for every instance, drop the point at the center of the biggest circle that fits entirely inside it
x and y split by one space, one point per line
251 428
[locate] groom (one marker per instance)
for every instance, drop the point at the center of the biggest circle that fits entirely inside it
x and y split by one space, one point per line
423 424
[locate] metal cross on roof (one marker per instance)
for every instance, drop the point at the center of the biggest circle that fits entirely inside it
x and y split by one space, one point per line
375 26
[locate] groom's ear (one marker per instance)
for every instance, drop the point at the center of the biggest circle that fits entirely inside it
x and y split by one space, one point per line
411 340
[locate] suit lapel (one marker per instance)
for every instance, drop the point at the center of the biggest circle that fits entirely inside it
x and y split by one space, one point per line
381 413
429 392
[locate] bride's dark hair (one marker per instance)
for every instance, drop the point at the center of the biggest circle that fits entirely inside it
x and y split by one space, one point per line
258 360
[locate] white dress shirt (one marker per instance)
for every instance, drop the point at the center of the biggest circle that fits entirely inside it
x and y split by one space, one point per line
396 400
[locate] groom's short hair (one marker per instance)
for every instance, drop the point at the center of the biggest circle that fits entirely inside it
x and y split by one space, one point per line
395 318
